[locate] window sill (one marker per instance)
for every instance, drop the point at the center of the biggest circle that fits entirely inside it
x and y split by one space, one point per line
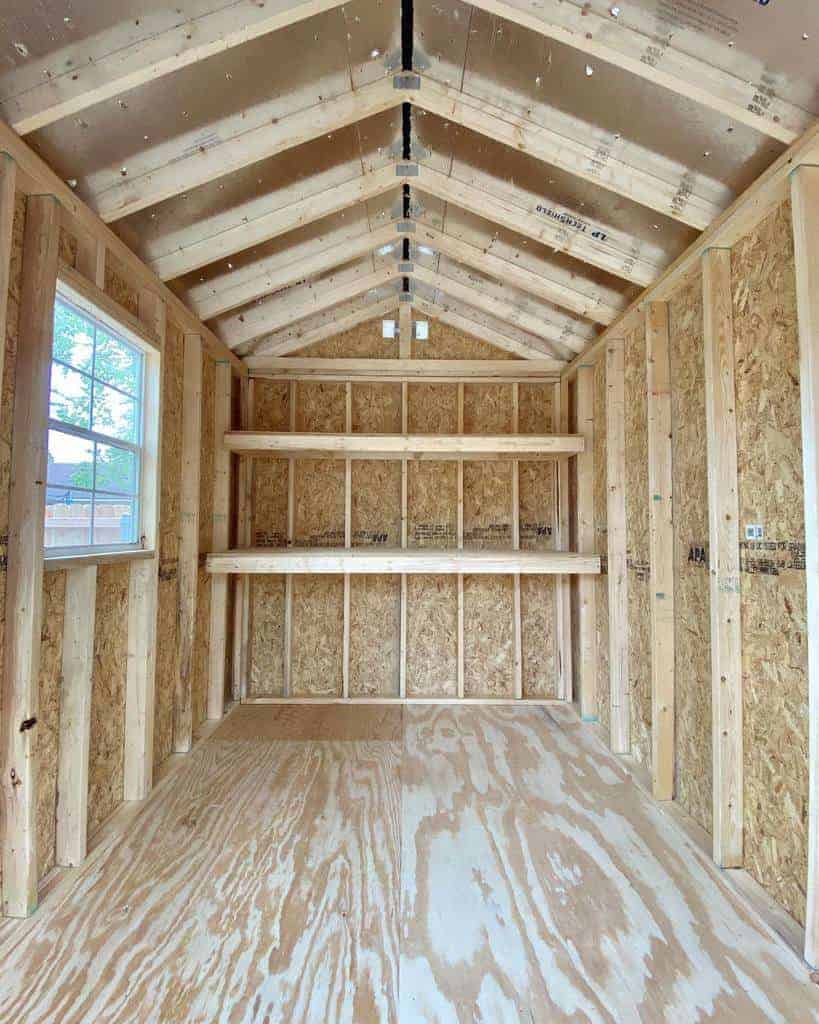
52 563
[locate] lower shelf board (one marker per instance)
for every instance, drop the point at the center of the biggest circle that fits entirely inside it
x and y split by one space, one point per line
313 561
468 701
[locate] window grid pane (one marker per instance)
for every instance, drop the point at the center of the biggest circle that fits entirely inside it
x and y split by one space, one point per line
93 480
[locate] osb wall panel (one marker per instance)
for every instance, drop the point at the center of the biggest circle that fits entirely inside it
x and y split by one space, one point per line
376 408
199 683
270 502
375 617
637 544
47 734
447 342
362 342
271 405
536 490
692 664
535 408
321 407
266 636
432 636
117 285
774 641
375 511
432 408
432 504
537 618
319 496
487 408
601 545
487 504
167 654
317 642
488 636
107 744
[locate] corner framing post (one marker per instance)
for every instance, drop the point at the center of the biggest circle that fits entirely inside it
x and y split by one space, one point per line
517 630
805 198
584 531
24 582
620 732
459 527
221 539
661 541
244 521
404 352
723 535
563 611
8 180
143 582
348 519
188 539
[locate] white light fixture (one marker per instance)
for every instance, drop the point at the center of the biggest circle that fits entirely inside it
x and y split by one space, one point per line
387 328
421 330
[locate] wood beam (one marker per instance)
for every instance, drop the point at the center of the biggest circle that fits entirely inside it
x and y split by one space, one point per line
217 237
661 546
563 612
462 317
24 581
476 371
805 197
188 539
75 715
562 141
723 531
617 540
623 42
548 284
245 138
244 529
278 311
8 180
586 669
768 192
336 561
556 339
385 446
271 274
318 327
143 583
221 534
121 58
614 254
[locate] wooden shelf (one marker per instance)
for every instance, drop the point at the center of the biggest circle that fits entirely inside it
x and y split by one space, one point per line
401 446
395 560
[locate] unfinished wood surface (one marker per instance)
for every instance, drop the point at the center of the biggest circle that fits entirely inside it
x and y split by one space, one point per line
805 197
432 636
563 614
399 445
693 771
775 704
638 543
49 720
8 177
602 708
375 620
316 650
660 499
188 539
25 556
585 667
218 647
267 618
617 561
75 715
723 533
201 665
366 560
376 363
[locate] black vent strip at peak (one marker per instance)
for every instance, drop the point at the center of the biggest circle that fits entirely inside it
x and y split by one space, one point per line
407 33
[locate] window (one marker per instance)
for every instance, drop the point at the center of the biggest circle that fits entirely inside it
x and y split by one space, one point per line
95 434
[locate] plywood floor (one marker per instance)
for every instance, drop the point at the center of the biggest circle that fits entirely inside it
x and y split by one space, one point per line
398 864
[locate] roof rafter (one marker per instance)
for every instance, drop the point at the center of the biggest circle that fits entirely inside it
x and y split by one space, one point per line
741 96
325 325
120 59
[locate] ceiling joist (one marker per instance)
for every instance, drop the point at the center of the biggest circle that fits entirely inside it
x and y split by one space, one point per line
323 326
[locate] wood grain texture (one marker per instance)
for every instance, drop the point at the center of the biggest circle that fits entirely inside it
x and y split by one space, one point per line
303 859
539 884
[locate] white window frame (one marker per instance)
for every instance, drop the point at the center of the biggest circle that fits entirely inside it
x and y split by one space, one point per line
147 446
